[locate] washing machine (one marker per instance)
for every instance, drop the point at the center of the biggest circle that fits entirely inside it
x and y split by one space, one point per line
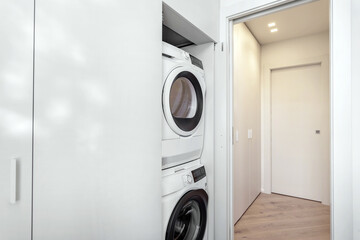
184 202
183 103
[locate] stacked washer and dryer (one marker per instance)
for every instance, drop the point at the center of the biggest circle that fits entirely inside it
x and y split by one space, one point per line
184 183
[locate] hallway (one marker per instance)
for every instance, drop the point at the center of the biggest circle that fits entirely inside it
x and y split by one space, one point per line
278 217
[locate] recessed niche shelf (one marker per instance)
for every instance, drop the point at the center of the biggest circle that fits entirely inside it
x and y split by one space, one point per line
180 32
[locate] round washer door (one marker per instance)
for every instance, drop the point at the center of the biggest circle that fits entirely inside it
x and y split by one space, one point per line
188 219
183 101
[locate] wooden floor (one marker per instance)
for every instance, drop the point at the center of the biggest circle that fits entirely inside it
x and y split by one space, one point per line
278 217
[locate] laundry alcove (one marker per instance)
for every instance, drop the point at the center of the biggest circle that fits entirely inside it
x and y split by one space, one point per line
180 32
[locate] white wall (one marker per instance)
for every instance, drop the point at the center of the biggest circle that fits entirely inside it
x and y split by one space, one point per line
223 227
206 54
97 149
295 49
204 14
341 89
281 54
246 115
355 85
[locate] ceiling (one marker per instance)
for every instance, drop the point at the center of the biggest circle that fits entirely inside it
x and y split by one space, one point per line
295 22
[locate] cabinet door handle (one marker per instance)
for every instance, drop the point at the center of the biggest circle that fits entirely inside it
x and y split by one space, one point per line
13 181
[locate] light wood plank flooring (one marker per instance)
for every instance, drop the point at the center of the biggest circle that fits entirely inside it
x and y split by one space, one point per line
278 217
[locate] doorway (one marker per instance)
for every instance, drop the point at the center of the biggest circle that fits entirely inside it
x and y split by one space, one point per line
281 116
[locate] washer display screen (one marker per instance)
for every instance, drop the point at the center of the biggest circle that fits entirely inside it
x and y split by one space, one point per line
198 174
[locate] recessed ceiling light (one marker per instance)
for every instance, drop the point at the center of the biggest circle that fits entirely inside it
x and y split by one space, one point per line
272 24
274 30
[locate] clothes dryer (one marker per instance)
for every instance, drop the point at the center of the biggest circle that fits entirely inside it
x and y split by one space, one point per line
183 103
184 202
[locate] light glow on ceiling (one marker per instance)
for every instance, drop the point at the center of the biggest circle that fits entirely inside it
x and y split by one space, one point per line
274 30
272 24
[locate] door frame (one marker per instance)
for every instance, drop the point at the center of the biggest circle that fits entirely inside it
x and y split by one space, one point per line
266 103
238 18
340 116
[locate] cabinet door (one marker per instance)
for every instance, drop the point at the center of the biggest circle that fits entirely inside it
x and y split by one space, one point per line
97 148
16 87
246 120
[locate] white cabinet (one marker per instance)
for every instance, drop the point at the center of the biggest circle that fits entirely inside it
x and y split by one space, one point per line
16 88
246 120
97 149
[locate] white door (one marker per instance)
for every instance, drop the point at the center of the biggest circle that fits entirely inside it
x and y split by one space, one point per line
16 87
297 125
97 148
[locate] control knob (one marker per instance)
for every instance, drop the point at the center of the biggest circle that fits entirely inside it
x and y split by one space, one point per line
187 179
186 55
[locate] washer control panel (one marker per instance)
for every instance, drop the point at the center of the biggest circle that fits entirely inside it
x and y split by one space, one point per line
194 176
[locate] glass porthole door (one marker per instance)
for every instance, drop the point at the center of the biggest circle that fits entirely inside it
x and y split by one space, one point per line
188 220
183 102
